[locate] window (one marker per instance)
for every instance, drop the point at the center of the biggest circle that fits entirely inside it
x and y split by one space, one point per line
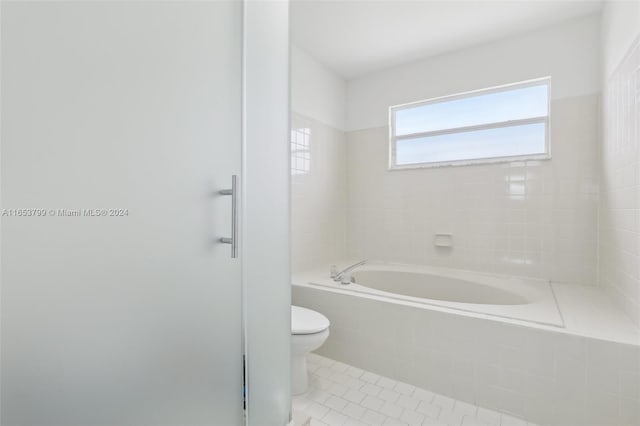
300 151
497 124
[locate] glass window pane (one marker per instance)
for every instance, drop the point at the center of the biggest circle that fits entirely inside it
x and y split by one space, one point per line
480 144
510 104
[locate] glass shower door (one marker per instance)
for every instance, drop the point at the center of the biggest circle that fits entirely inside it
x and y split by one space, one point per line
121 123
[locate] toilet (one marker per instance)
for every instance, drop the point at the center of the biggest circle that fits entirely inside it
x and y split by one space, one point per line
309 330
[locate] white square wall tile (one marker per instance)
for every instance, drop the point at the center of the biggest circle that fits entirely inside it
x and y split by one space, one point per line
388 395
629 411
340 378
431 422
450 417
316 410
336 403
465 408
339 405
391 410
370 377
412 417
333 418
386 383
337 389
408 402
353 422
404 388
394 422
320 382
370 389
428 409
630 385
620 189
443 402
354 410
423 395
372 403
437 196
374 418
472 421
354 372
319 395
354 396
355 383
339 367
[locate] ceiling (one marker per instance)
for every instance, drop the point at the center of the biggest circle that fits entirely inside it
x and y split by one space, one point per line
357 37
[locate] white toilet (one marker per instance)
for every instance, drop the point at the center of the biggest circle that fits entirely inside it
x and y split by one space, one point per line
309 330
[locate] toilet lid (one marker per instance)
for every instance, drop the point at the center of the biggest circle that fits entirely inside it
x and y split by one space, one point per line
306 321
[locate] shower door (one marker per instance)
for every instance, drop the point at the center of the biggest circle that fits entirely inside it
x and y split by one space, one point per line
121 122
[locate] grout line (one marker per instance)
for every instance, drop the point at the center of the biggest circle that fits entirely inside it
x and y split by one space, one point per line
444 411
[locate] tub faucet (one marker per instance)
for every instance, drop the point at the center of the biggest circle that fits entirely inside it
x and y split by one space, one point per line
344 277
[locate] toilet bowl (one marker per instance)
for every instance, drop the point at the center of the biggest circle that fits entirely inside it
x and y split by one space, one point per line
309 330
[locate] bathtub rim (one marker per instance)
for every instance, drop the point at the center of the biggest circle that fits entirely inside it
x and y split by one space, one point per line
629 338
542 309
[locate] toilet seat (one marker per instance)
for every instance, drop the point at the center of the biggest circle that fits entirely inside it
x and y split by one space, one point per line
306 321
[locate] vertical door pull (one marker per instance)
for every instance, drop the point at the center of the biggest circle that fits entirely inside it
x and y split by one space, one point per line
234 216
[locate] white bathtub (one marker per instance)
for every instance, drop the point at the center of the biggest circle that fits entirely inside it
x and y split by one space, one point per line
493 341
514 298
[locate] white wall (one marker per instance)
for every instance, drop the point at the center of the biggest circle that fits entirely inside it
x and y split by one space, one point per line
318 197
620 27
535 218
569 52
619 248
316 91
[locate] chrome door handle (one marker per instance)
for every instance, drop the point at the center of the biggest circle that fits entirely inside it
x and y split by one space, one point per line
234 216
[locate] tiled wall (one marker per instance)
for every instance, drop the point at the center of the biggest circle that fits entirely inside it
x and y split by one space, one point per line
620 184
547 377
318 193
535 218
318 161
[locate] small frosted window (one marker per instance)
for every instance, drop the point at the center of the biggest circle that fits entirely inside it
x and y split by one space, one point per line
497 124
300 151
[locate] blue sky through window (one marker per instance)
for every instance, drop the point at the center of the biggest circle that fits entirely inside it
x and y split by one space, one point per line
515 104
481 144
498 111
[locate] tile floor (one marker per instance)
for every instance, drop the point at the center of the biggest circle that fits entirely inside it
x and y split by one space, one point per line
340 394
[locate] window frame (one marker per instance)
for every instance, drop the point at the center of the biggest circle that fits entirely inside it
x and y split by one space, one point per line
494 125
305 130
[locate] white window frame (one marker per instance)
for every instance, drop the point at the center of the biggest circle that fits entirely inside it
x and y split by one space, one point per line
509 123
299 149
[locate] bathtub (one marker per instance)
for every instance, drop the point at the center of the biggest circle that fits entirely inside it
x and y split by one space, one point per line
514 298
552 354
